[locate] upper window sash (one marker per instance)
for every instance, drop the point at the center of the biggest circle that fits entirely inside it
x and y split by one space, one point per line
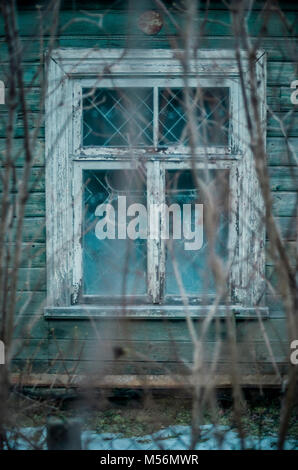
231 151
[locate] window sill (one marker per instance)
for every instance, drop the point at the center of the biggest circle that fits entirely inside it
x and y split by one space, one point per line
172 312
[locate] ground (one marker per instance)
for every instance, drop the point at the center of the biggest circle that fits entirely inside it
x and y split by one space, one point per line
136 414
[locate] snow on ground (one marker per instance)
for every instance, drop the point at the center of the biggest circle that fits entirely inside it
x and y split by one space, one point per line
171 438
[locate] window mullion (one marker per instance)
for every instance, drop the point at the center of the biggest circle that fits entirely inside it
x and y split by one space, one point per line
155 117
155 245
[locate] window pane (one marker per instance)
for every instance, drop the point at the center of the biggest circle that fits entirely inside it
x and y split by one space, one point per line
113 264
118 117
210 107
192 260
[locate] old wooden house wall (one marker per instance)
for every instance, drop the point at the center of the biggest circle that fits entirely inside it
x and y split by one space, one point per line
49 344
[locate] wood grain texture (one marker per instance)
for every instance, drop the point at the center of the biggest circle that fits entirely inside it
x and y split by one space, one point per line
30 324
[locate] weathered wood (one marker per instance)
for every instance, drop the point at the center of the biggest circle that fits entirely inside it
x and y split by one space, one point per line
285 99
145 381
162 351
33 255
121 5
278 151
30 303
25 368
35 206
32 97
33 279
36 182
283 178
283 203
18 130
163 330
33 230
31 326
18 151
291 251
289 122
144 312
122 351
59 216
281 71
278 48
217 23
287 227
29 349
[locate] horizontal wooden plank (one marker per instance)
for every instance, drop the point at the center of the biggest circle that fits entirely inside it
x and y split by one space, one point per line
29 349
31 326
277 48
279 98
33 279
18 151
289 122
22 367
285 99
70 367
36 180
284 178
18 129
291 250
164 330
161 351
217 23
33 230
33 255
279 153
287 227
35 204
32 98
164 381
284 203
274 279
281 73
122 5
150 311
30 303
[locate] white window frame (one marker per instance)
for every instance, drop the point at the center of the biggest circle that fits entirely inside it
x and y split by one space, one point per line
69 71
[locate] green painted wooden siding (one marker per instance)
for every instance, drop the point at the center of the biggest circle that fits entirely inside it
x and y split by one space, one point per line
47 339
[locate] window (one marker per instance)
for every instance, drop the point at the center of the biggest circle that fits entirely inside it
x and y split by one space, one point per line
125 213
